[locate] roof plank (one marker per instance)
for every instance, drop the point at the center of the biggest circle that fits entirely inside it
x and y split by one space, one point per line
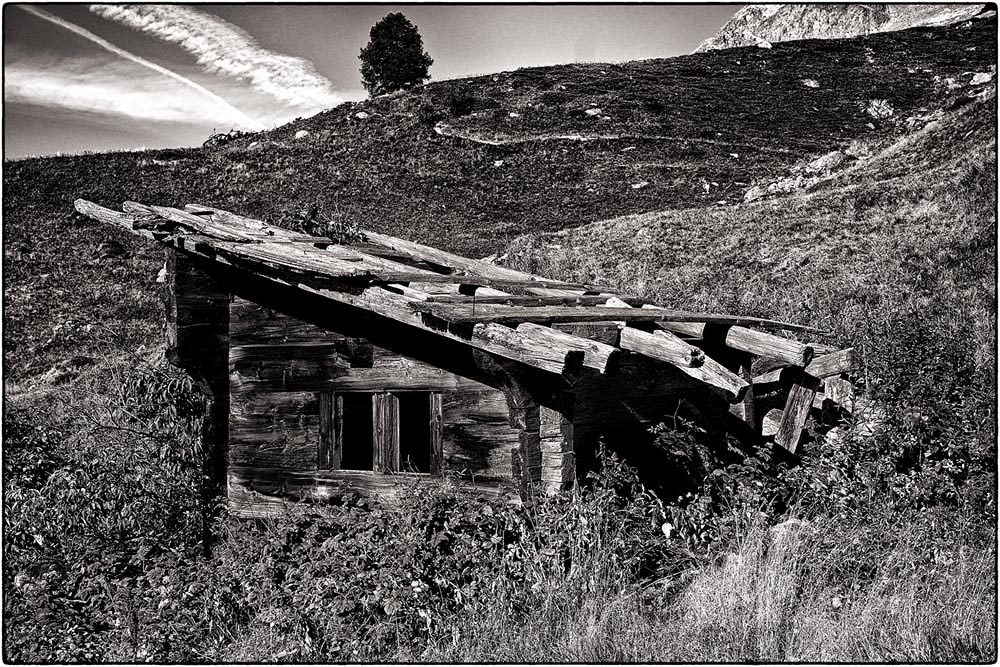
466 314
529 300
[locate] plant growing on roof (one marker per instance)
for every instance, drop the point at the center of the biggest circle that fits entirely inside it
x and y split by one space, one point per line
394 58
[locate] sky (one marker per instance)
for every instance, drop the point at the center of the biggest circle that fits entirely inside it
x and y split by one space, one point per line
80 77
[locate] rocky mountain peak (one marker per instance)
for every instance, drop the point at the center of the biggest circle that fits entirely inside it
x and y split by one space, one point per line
766 23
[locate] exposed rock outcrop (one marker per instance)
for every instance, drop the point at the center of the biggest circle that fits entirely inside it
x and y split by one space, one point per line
781 23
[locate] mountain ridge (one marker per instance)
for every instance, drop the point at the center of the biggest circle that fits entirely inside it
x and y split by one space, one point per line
769 23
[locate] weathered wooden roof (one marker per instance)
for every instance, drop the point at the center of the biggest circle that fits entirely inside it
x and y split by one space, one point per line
509 313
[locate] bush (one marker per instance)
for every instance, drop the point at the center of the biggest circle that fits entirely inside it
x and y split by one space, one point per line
84 512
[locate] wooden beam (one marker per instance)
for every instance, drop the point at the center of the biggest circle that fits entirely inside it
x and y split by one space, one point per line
545 348
202 226
512 314
337 269
828 365
747 340
771 423
477 272
661 345
729 384
251 225
124 220
834 363
527 300
257 493
793 418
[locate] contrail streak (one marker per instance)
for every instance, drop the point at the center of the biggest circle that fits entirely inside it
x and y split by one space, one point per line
223 48
236 114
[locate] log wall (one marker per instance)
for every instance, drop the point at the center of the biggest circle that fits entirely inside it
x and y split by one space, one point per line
287 381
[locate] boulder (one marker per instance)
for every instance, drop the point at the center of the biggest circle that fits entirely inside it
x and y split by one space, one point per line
809 83
826 163
980 78
880 109
754 193
302 134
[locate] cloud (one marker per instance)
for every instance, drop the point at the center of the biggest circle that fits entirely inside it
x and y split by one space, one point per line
116 89
222 48
231 113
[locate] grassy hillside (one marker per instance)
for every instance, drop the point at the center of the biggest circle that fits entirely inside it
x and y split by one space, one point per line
695 130
878 545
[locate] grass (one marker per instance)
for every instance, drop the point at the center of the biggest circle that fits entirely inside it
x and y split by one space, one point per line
801 592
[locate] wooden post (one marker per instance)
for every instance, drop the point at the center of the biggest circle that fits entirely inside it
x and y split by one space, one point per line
385 418
745 408
331 431
437 433
558 460
793 418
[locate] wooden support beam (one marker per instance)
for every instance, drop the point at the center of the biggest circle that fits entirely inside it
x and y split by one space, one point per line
546 348
729 384
834 363
661 345
828 365
793 418
747 340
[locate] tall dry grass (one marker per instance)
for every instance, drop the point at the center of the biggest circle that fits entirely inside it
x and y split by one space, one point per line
802 591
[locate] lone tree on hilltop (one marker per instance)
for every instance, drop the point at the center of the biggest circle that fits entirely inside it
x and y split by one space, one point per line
394 58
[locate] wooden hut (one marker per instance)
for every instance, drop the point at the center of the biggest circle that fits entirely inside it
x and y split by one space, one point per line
374 364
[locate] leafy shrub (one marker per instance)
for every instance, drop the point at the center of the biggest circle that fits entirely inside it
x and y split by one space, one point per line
81 508
428 115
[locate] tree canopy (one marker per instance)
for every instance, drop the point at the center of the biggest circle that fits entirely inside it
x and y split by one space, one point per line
394 58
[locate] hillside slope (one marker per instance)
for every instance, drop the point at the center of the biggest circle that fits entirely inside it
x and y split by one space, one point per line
670 134
910 228
781 23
